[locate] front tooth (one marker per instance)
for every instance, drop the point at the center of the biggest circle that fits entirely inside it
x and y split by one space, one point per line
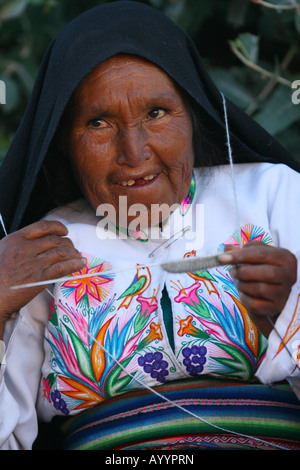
149 177
124 183
130 182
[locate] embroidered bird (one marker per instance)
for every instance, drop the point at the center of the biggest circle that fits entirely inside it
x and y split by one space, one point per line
140 283
203 276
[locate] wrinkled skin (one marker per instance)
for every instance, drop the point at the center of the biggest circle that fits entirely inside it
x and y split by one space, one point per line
137 126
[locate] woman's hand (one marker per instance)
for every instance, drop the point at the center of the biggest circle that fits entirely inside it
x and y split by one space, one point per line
264 276
35 253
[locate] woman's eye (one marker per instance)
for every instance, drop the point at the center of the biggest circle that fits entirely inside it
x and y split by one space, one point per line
157 113
97 123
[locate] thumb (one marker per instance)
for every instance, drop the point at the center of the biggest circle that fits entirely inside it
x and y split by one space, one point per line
231 247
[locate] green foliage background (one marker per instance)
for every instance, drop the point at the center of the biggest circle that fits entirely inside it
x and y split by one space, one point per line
250 48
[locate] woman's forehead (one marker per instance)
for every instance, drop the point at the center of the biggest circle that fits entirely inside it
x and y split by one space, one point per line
122 72
122 66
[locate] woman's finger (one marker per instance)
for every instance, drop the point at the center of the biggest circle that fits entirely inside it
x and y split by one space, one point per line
259 272
63 268
258 253
259 290
43 228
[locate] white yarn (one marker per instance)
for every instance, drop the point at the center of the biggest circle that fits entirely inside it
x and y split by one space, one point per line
3 226
236 206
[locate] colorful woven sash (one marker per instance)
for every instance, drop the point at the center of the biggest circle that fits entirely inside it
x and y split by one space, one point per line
265 416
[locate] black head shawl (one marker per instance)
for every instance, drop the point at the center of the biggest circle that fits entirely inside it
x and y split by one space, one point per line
96 35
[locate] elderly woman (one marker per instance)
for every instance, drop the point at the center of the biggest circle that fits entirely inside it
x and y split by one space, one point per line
123 155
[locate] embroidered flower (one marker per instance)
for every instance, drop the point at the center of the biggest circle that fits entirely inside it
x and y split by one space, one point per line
46 389
154 334
148 305
248 233
97 284
188 328
188 295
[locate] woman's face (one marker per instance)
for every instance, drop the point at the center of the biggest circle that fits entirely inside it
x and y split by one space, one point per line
131 135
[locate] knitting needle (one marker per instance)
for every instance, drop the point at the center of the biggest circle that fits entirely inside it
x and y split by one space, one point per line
191 264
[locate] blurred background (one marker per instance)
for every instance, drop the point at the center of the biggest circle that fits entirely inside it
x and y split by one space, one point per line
250 47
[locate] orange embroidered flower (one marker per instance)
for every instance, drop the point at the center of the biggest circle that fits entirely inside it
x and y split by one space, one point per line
186 327
155 333
96 285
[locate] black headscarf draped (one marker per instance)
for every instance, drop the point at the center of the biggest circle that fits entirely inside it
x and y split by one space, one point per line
121 27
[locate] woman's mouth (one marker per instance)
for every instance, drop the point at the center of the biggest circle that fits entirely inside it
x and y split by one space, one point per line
138 181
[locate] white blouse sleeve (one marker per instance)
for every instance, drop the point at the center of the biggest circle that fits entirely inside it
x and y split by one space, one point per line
20 375
283 350
282 361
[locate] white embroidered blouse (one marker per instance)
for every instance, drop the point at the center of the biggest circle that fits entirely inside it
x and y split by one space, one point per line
131 324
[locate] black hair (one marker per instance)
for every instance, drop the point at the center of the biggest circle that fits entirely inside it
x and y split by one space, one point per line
208 138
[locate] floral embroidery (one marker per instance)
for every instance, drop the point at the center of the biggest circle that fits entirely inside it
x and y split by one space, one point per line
46 389
93 346
93 288
248 233
220 322
221 325
190 297
104 342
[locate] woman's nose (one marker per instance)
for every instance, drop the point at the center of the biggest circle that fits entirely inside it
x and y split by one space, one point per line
132 146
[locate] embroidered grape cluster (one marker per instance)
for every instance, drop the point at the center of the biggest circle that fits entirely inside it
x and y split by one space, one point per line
155 365
194 359
58 402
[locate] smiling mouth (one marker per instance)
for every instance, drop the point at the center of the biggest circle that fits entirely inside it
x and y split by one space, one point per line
139 181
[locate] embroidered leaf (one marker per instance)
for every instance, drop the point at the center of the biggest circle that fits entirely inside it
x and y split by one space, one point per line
51 378
81 392
239 365
97 354
200 309
53 315
82 355
250 331
115 385
292 328
204 274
